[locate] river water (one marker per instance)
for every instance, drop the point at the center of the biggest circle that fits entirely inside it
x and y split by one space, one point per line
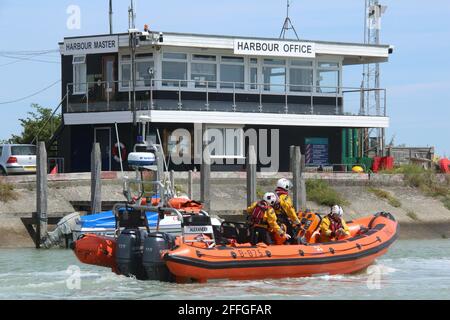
411 269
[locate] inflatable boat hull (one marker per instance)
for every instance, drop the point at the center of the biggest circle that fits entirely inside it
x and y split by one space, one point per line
247 262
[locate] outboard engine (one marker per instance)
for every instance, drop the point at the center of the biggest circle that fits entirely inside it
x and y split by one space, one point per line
154 266
129 253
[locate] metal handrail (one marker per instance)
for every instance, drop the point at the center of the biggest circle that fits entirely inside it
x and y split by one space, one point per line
235 88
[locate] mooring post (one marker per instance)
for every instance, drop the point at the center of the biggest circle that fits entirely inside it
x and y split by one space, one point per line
96 183
302 181
172 180
205 176
190 185
295 169
251 175
41 193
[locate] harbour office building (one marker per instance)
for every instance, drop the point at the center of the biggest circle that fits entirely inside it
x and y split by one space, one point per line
230 84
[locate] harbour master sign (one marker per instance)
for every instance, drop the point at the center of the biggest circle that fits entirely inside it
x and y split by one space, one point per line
92 45
275 48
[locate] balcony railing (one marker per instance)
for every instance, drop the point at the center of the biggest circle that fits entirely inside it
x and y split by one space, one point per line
196 95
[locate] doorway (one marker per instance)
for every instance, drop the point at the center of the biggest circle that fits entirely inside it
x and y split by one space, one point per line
108 77
103 137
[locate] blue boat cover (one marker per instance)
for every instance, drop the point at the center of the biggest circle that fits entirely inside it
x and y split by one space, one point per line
106 220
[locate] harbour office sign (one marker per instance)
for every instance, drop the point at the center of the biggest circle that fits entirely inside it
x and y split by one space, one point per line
79 46
275 48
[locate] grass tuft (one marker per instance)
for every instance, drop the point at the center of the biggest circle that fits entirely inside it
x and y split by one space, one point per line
321 193
382 194
412 215
7 192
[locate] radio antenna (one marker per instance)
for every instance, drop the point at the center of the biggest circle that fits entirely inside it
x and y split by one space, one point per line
287 25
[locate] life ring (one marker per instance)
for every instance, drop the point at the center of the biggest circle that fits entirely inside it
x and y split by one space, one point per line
115 152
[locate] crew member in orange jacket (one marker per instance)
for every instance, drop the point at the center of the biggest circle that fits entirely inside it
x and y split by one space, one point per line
284 207
333 226
264 220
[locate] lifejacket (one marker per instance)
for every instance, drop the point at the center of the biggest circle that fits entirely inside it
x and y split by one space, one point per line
334 225
257 217
279 191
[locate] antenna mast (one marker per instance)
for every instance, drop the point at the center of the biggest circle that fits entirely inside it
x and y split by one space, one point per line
287 25
371 77
110 17
131 16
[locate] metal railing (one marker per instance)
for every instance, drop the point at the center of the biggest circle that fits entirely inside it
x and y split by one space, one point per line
220 96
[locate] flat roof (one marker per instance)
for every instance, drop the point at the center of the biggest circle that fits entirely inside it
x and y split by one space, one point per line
205 35
351 53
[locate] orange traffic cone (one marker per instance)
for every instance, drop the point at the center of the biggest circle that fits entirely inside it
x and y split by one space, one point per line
54 170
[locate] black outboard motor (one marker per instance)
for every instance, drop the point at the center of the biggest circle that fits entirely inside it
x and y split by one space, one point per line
129 253
154 266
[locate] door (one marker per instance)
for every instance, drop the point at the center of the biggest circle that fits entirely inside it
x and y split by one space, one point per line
103 137
108 77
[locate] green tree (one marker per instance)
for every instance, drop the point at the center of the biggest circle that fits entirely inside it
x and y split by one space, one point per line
40 123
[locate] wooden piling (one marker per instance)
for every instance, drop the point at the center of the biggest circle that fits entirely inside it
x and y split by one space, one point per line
302 182
297 167
41 193
172 180
190 187
205 176
96 183
251 175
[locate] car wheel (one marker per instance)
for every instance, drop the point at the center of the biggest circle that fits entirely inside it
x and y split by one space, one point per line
3 172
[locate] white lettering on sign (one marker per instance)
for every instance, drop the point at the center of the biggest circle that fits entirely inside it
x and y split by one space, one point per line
275 48
198 229
91 45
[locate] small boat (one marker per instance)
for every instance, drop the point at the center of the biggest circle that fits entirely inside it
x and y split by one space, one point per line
204 252
371 238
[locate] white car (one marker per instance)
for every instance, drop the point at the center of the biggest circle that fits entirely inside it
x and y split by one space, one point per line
17 159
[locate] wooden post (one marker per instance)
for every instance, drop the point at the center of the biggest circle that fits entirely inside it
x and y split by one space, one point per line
205 176
251 175
190 185
295 169
41 193
302 203
172 179
160 170
96 183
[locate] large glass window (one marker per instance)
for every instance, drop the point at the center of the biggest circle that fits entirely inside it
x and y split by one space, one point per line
328 77
274 74
253 74
301 76
144 70
174 67
204 71
79 74
232 72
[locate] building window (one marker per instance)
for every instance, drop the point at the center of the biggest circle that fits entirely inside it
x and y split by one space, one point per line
226 142
232 72
301 76
204 70
274 73
328 77
79 74
253 74
174 68
144 71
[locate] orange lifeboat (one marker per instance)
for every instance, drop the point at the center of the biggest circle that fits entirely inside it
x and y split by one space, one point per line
96 250
371 237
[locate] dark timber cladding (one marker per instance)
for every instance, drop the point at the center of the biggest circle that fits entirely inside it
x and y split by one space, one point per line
78 140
